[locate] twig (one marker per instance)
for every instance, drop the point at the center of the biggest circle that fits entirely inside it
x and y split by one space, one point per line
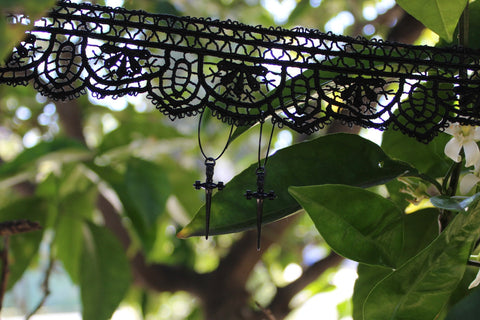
267 313
45 287
5 269
8 228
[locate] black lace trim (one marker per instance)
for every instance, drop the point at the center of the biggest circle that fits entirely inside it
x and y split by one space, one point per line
302 78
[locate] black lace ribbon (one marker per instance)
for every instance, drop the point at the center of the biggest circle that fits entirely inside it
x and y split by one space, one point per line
302 78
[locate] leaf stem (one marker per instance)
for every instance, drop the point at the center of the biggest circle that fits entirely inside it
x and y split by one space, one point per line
454 173
454 178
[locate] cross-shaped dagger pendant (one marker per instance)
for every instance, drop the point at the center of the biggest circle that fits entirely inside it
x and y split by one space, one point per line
260 195
208 185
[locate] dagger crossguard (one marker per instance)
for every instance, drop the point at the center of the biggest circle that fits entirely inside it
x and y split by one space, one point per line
209 184
260 194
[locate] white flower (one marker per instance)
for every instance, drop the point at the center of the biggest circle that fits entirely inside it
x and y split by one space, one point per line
475 282
468 182
463 137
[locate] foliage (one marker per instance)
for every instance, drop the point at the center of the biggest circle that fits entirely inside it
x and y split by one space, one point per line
319 161
439 15
131 161
35 9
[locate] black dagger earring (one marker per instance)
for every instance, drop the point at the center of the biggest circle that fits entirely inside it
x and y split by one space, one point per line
260 194
209 185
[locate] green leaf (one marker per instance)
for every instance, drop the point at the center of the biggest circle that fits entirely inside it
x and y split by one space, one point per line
358 224
421 287
24 247
368 277
298 13
474 25
64 150
428 158
105 276
421 228
180 182
136 127
11 34
441 16
68 242
148 187
333 159
143 191
74 210
455 203
239 131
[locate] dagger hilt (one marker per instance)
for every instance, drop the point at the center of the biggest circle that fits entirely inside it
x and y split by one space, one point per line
209 186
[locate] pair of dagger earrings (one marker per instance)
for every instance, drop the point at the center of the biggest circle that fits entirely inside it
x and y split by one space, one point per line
260 194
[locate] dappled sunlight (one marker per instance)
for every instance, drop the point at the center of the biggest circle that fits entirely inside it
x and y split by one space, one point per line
326 304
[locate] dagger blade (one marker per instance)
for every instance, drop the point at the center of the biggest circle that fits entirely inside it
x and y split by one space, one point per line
259 221
208 204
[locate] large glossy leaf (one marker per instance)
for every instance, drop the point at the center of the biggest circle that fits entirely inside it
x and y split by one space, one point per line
421 228
368 277
24 247
427 158
421 287
358 224
105 276
334 159
143 190
441 16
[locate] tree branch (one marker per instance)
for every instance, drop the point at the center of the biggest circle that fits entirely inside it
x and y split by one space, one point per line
155 277
165 278
71 119
280 303
237 265
8 228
